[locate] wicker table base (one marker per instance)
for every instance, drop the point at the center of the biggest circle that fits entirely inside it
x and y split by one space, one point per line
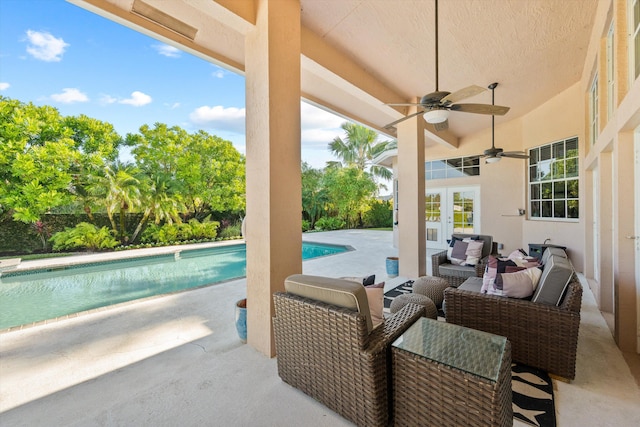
429 393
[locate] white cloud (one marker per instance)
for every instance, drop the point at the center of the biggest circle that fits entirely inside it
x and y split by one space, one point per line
319 127
108 99
4 85
314 117
70 95
218 117
219 72
138 99
168 51
44 46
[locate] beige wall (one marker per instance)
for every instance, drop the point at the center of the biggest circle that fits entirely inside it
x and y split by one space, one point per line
504 184
559 118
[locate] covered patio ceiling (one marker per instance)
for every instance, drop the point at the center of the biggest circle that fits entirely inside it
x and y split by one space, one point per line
358 55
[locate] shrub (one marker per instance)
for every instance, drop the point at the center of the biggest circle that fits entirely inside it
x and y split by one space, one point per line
231 230
306 225
329 223
380 214
84 236
172 233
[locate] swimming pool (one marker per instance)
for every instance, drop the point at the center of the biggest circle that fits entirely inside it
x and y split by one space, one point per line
28 297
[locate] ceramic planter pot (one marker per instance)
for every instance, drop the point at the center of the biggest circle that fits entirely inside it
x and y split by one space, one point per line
241 319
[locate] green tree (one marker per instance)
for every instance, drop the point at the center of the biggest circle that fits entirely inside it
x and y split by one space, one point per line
93 137
37 160
314 194
208 169
161 201
358 149
349 191
119 188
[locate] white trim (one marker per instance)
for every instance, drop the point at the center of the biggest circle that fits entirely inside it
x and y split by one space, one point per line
594 127
611 77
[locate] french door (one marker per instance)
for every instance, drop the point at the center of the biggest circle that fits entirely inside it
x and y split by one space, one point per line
451 210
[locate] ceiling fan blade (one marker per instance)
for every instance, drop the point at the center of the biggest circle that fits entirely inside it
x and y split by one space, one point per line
441 126
464 93
514 154
493 110
390 125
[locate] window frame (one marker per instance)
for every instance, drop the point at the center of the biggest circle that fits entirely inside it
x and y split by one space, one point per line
454 167
611 78
547 191
593 110
634 40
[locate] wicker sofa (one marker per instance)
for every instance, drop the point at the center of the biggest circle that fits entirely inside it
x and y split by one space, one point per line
332 352
457 274
543 331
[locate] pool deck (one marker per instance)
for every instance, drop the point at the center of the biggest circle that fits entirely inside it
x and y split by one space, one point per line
65 261
176 360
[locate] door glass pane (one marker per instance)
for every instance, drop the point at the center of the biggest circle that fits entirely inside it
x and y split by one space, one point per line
432 207
463 212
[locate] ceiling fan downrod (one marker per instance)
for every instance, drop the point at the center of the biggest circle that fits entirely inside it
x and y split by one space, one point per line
492 86
436 40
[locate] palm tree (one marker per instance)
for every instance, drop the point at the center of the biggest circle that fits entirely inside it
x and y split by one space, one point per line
160 202
119 188
359 149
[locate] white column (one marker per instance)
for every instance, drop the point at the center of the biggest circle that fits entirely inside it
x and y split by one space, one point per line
411 186
274 235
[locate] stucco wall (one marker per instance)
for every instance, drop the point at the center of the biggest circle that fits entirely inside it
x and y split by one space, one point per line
559 118
504 184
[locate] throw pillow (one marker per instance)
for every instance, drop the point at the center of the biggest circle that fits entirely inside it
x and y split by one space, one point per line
523 260
520 284
369 280
494 267
458 254
375 296
473 252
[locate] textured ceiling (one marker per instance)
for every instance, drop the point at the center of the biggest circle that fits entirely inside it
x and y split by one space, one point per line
533 48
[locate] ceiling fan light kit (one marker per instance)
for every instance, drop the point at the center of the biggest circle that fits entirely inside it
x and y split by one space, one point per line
492 160
436 106
436 116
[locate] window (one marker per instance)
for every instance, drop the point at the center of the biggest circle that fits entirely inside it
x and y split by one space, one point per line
432 214
593 109
610 73
635 37
553 180
452 168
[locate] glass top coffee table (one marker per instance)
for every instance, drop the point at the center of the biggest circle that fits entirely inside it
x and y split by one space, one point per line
445 374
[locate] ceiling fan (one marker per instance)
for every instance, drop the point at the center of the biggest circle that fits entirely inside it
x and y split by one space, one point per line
494 154
435 106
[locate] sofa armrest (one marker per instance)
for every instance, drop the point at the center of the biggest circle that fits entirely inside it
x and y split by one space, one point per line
436 260
541 335
395 326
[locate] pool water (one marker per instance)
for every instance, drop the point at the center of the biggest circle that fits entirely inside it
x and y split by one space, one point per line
31 296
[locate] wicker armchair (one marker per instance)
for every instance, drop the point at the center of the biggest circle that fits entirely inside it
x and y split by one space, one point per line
457 274
543 336
330 353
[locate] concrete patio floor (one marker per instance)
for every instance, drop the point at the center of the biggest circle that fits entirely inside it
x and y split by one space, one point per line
176 360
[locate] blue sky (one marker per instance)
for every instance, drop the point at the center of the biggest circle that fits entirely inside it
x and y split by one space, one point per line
55 53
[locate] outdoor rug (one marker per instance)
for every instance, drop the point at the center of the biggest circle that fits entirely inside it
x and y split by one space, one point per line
532 388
